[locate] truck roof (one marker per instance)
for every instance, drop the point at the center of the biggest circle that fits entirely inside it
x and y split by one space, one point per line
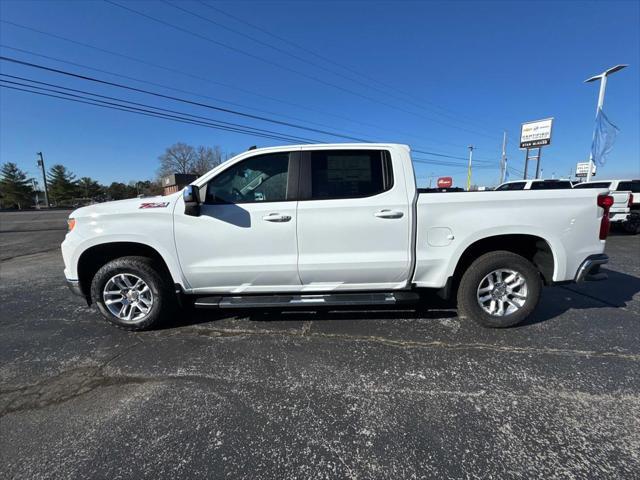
613 180
337 146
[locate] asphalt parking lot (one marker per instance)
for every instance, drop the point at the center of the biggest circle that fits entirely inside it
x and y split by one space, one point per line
344 394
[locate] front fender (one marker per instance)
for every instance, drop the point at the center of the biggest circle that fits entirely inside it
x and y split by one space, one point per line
125 221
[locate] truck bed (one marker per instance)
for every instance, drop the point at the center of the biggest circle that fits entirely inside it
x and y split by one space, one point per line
447 225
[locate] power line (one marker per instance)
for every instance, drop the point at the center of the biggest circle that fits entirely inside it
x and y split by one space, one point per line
199 104
124 108
177 99
158 112
84 92
326 59
446 164
162 67
148 82
285 67
451 156
386 91
196 77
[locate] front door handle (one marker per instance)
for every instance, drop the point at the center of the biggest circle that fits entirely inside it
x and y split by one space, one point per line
388 214
276 217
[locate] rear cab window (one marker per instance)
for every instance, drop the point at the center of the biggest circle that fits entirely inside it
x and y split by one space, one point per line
550 185
594 185
336 174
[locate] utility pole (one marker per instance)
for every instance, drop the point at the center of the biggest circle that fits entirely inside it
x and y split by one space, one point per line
34 183
503 162
44 179
603 85
469 169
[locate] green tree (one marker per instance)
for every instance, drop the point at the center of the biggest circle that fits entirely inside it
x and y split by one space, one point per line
15 187
62 184
120 191
89 188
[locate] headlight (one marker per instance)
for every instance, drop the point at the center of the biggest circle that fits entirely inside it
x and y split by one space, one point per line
71 222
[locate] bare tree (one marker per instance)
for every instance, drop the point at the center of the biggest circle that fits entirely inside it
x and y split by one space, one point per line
178 158
206 159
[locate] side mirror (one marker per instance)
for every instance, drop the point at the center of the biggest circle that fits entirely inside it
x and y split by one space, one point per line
191 198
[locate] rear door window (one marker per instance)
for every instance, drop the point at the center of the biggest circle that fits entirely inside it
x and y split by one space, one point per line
349 173
512 186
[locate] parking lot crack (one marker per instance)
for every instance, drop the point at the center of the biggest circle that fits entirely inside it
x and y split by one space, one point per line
221 333
120 354
7 259
58 389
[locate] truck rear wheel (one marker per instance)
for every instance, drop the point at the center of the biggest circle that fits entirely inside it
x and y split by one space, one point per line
632 225
131 293
499 289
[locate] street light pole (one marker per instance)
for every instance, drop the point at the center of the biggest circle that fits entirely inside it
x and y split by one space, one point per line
469 168
603 86
503 162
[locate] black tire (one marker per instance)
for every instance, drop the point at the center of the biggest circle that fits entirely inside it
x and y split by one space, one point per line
468 303
164 296
632 225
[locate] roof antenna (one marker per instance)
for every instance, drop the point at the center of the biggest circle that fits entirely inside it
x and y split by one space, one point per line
252 147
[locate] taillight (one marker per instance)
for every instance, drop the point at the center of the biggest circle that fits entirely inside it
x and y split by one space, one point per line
605 202
630 199
71 223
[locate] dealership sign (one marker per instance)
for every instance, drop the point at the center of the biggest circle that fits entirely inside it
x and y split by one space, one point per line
582 169
536 134
445 182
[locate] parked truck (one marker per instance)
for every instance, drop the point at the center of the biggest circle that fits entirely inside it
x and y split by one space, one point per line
330 226
626 208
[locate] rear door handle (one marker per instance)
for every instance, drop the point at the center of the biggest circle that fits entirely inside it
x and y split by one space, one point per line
388 214
276 217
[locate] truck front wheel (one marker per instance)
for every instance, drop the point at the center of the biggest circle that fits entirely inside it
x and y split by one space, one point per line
499 289
131 293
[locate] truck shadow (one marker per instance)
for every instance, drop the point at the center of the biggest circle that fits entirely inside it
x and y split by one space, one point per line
616 292
195 317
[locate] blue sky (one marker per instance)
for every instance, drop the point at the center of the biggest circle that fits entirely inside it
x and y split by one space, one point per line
437 75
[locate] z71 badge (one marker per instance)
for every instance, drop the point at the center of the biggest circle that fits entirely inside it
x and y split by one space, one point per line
154 205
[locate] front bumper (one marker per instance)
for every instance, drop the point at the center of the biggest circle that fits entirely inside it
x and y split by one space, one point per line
590 268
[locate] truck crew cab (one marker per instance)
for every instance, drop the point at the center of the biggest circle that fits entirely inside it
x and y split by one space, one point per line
338 224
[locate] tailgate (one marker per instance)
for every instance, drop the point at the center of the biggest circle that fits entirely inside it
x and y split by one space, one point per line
621 202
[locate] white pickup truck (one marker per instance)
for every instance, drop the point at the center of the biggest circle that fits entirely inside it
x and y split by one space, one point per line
331 225
626 206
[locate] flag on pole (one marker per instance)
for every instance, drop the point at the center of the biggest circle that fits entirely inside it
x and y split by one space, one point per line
604 137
